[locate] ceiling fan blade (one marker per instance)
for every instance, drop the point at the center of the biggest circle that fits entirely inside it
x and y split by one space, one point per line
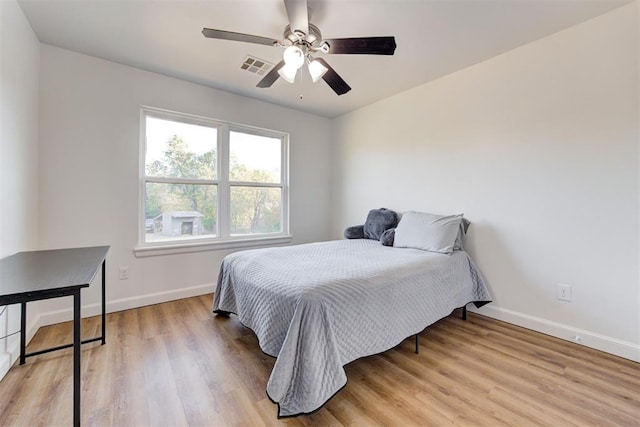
298 15
271 76
239 37
363 45
339 86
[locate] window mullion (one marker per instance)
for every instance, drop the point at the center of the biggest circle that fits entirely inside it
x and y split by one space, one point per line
284 181
224 203
255 184
193 181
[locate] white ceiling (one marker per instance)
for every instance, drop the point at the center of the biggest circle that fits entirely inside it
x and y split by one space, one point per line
434 38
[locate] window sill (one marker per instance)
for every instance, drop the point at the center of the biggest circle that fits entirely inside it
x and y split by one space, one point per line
187 247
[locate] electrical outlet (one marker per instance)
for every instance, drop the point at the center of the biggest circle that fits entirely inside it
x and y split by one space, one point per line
563 292
124 273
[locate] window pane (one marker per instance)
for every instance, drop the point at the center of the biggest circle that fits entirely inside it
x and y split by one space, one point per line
180 211
254 158
255 210
180 150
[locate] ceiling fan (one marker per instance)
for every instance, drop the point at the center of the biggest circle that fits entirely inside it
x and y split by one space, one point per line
302 40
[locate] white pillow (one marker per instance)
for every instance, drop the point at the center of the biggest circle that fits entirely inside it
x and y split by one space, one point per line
429 232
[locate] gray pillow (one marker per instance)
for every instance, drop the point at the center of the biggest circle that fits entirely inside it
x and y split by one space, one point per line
428 232
462 232
379 220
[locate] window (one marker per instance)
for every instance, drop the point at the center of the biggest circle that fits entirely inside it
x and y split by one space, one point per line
210 182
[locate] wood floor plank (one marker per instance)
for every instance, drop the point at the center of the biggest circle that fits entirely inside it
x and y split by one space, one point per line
165 406
468 386
178 364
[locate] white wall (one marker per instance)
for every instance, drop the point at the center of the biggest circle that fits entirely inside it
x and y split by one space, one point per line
19 75
89 144
539 148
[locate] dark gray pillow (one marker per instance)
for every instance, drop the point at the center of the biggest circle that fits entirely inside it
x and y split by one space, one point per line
378 221
387 237
354 232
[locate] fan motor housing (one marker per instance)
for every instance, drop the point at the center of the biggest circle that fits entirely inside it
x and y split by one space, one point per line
310 39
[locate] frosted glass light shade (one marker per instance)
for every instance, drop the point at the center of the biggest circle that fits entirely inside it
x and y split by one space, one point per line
288 72
293 56
317 70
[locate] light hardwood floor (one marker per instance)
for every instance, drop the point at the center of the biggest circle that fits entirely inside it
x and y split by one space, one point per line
177 364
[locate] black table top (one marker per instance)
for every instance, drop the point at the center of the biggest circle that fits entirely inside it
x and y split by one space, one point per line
29 273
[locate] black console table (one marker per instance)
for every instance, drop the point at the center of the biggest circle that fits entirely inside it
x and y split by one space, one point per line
39 275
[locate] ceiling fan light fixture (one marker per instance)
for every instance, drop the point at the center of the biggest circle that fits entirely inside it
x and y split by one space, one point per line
316 70
301 39
288 72
293 57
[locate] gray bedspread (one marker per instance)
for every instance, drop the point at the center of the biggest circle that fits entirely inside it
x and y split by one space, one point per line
318 306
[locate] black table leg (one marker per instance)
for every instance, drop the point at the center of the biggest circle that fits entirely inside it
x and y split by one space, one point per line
104 302
76 357
23 331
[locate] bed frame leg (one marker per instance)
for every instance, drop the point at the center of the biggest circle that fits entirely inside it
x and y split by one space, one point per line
417 349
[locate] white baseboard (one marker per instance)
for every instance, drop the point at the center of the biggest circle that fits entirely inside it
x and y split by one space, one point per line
5 364
13 351
65 315
590 339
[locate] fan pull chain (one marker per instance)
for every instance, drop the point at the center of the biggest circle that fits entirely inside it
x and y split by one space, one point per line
300 82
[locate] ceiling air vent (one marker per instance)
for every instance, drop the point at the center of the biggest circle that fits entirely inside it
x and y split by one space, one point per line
256 65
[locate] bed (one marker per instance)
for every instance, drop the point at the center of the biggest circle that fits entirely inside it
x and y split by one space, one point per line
316 307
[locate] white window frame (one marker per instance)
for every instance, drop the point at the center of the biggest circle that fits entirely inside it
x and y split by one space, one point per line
223 238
